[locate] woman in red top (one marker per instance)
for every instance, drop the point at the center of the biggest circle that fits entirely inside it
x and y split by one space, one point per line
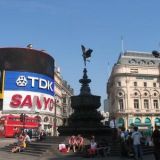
72 143
79 142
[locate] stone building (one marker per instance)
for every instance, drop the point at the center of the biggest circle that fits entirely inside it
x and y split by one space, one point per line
63 92
133 90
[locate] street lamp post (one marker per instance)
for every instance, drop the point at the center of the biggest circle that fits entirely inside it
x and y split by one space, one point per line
55 117
22 119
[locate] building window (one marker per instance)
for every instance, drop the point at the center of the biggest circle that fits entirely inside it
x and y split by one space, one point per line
121 106
135 84
146 104
145 94
155 104
120 94
136 94
145 84
155 94
150 62
64 100
132 61
136 103
154 84
119 84
142 62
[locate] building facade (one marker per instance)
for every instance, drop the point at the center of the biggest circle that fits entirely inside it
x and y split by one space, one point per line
63 93
67 92
133 90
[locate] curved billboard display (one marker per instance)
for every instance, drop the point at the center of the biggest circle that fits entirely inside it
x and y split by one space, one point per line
26 80
25 59
28 91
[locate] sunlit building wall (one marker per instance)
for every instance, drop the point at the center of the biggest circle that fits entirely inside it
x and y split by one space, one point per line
133 90
63 93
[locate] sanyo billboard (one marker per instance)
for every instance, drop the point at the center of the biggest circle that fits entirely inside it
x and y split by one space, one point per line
28 91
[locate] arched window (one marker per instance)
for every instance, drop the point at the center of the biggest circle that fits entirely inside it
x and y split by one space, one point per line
136 103
146 104
147 121
121 122
151 62
132 61
46 119
157 121
155 103
121 105
142 62
137 121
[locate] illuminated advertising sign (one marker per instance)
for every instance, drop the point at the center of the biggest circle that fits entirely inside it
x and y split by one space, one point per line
26 81
28 91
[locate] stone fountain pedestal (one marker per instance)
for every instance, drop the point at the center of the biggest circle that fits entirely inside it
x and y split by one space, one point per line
85 119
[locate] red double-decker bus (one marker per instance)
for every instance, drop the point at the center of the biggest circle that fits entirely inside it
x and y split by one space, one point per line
11 125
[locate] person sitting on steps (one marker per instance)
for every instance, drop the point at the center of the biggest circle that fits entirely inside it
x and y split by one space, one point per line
20 146
79 142
72 143
93 148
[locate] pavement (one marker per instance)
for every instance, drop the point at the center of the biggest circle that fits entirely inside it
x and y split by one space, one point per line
4 155
6 141
18 156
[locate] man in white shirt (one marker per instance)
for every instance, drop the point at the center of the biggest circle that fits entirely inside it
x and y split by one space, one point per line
113 125
27 138
136 136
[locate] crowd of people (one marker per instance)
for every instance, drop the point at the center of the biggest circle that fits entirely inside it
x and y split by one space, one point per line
24 139
132 141
75 143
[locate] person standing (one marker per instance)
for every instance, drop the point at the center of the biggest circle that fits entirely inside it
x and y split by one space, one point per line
156 141
123 142
30 133
113 125
42 135
136 136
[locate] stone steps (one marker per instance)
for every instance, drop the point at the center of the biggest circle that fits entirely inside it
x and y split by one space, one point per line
50 145
34 149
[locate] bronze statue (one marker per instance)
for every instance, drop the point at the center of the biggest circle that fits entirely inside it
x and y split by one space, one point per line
86 54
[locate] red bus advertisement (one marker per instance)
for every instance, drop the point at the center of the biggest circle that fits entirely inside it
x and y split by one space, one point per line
11 125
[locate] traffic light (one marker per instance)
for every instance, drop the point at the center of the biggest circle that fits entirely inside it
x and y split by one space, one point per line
22 117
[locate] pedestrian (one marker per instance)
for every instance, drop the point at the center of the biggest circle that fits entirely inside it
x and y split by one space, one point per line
72 143
42 135
27 139
122 142
156 141
136 136
113 125
129 145
20 146
92 149
30 133
79 142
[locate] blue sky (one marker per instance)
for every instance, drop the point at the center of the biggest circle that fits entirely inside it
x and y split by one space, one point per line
61 26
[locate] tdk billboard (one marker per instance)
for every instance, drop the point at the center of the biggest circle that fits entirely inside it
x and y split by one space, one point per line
28 91
26 81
